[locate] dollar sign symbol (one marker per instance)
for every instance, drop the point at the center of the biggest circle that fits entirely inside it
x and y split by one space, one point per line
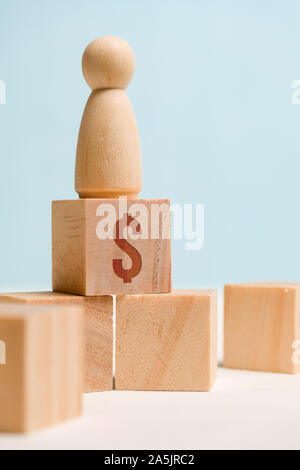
127 274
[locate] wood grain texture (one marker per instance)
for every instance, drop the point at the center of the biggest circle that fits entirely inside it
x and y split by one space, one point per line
41 382
167 342
108 62
261 324
84 264
69 246
98 332
108 161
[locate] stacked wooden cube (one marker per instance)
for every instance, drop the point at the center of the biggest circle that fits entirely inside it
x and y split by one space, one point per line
56 345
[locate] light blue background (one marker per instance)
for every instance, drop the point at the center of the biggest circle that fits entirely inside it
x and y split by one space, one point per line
212 96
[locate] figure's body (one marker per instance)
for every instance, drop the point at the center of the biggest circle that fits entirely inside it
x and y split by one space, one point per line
108 162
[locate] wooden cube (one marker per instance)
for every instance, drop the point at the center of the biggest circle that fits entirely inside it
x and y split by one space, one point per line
262 327
98 329
93 255
41 370
167 342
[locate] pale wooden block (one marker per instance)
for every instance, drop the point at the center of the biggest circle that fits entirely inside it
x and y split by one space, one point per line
41 378
98 329
84 264
262 327
167 342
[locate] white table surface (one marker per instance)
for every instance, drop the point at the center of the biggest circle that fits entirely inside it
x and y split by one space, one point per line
245 410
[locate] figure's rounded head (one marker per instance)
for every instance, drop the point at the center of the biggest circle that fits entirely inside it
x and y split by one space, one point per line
108 62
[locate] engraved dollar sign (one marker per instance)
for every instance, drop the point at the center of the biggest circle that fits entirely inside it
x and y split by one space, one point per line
127 274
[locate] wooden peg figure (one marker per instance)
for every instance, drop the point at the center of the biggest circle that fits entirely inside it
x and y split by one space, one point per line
108 161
